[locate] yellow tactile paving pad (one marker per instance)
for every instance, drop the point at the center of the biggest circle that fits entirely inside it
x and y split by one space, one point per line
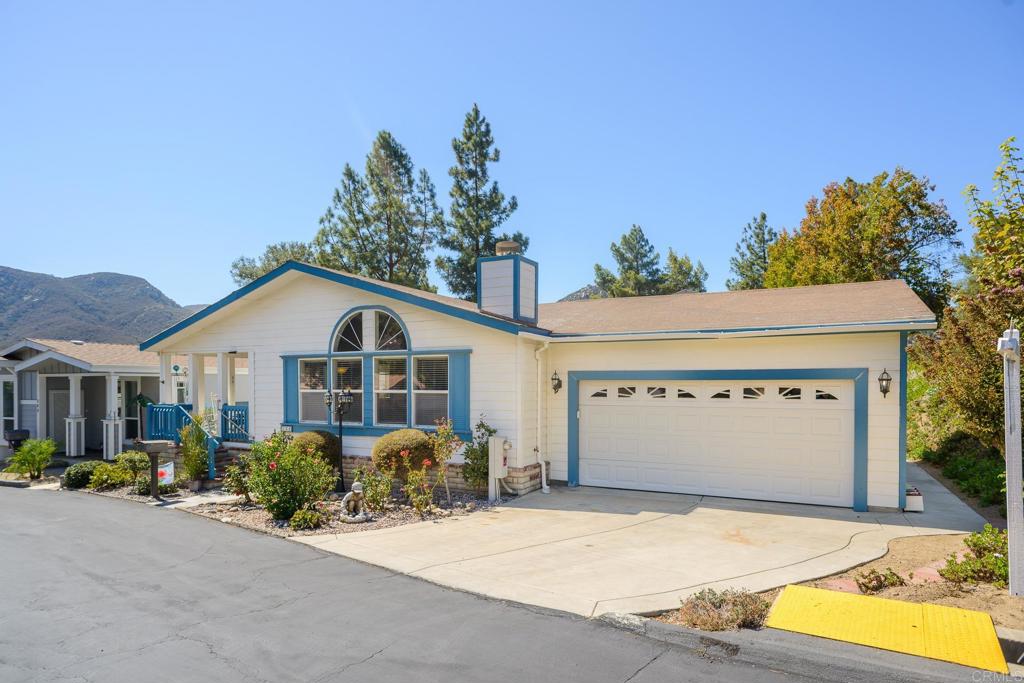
949 634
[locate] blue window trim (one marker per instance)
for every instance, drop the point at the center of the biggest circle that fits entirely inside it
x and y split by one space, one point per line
903 419
517 261
859 376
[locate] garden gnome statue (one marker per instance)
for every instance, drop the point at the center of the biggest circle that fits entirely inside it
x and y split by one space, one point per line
353 507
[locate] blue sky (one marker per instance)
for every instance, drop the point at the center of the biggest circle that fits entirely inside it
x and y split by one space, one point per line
166 139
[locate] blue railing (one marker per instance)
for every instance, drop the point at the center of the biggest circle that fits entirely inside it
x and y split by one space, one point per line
234 423
165 420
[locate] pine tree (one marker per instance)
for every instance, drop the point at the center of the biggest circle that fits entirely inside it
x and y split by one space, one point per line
478 207
681 275
245 269
383 224
751 259
638 271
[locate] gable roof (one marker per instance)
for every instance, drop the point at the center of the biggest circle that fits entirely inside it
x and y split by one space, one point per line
86 355
885 303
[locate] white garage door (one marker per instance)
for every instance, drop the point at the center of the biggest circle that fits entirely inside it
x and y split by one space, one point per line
768 440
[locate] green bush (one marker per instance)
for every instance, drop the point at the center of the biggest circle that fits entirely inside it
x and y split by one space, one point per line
981 478
32 458
236 477
78 475
873 580
135 462
193 449
306 518
475 467
986 563
387 451
107 475
142 486
284 478
378 486
325 444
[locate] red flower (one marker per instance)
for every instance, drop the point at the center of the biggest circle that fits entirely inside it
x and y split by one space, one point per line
426 462
273 466
404 453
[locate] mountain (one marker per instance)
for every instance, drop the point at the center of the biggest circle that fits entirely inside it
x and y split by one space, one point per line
100 307
585 292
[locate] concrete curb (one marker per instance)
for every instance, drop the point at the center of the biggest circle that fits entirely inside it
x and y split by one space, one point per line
815 658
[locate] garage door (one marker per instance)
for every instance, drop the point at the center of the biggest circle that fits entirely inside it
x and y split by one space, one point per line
784 441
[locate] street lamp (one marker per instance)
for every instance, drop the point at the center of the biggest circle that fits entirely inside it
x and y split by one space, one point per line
341 406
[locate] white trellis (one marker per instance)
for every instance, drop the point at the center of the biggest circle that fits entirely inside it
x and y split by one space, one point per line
1009 348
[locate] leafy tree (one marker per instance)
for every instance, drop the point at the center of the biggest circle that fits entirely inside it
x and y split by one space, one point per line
999 240
245 269
478 207
751 259
639 273
887 228
681 275
383 224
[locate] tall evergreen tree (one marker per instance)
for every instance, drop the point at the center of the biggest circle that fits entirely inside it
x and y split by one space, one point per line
682 275
245 269
383 224
637 262
478 207
751 259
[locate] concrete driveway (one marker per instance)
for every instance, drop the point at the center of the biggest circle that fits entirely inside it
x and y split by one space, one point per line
590 551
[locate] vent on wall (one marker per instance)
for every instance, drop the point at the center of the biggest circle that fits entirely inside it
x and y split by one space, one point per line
506 284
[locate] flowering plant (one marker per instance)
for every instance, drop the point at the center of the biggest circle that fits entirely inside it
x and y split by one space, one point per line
285 478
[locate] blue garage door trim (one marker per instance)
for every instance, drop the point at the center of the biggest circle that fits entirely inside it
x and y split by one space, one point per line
859 376
903 419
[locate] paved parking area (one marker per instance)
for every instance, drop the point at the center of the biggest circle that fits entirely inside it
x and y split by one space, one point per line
591 551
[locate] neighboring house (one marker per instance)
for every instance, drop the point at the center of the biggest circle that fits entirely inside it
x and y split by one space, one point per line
80 394
766 394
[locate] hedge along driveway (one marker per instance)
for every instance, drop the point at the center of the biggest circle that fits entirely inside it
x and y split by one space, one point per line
591 551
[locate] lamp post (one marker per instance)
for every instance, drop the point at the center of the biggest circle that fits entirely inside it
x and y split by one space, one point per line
341 406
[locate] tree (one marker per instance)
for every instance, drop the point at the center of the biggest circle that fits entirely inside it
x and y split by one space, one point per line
751 259
478 207
999 240
245 269
639 273
383 224
885 229
681 275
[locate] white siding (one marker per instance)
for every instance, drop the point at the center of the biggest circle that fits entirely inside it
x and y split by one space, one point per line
297 316
873 351
496 278
527 290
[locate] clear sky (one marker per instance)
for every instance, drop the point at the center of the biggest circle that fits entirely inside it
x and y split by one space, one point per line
166 139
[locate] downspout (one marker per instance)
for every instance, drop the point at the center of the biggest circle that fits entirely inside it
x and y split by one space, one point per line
540 397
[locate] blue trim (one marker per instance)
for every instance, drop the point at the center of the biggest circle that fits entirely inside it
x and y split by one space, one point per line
515 287
374 287
860 402
517 261
903 420
458 378
361 430
291 389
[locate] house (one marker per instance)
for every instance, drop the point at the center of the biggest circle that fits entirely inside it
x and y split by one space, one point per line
80 394
767 394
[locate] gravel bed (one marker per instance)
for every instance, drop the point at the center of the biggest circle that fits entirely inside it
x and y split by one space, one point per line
128 493
255 517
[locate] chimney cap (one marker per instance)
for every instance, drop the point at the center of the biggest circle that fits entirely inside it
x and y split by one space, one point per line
507 247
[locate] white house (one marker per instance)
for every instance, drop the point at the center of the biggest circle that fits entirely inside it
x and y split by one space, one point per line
766 394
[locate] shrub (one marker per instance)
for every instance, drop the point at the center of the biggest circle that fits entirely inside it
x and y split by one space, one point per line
135 462
986 563
32 458
443 444
193 449
325 443
475 468
306 518
418 488
387 451
711 610
142 486
377 486
873 581
284 478
236 477
109 476
78 475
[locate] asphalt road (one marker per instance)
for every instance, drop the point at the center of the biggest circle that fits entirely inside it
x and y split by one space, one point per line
97 589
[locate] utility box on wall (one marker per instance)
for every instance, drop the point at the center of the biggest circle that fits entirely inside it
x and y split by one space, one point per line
497 457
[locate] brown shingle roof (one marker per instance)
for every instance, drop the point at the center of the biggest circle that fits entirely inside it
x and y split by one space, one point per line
886 301
96 353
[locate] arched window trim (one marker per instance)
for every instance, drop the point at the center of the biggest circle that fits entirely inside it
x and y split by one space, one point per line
342 327
368 310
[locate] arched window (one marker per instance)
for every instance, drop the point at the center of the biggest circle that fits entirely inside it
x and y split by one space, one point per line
390 335
350 336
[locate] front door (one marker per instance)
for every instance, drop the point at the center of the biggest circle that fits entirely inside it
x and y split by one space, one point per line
58 402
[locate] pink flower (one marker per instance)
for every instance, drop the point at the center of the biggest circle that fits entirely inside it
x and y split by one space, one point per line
273 466
426 462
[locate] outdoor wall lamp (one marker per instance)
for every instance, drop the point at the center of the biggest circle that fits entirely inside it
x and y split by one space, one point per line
556 382
884 382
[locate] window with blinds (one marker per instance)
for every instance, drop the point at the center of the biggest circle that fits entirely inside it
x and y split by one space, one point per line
390 391
348 375
312 383
430 390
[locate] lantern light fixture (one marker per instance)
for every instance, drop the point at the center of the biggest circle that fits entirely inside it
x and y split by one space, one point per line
556 382
884 382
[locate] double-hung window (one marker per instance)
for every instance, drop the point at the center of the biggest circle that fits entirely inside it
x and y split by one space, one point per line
391 390
430 390
312 383
348 376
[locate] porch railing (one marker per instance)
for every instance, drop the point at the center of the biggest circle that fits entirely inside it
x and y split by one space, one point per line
165 420
234 423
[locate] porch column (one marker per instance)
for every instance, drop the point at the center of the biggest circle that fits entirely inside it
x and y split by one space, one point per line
113 426
41 427
223 383
74 437
166 379
197 381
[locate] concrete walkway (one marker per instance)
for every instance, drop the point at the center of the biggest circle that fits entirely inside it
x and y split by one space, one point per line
591 551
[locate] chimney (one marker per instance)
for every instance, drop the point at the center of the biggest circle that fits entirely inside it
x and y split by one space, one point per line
506 283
